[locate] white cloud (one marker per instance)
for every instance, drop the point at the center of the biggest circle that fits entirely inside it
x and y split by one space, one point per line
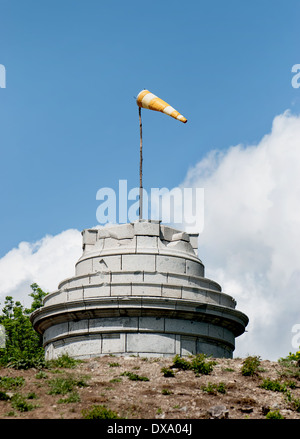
45 262
251 239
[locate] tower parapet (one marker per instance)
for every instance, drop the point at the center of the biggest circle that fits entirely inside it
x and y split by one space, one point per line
139 288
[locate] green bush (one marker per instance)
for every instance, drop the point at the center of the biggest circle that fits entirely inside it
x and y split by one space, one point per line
64 361
19 402
64 385
181 363
277 386
4 396
114 364
41 375
250 366
10 383
99 412
168 373
214 388
134 376
199 364
73 397
23 345
274 415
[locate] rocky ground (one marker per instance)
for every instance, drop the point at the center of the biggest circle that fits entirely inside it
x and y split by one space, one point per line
68 393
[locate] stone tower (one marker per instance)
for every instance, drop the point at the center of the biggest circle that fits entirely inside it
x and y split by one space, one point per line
139 289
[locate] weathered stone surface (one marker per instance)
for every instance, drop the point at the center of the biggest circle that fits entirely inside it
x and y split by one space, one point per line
218 412
139 289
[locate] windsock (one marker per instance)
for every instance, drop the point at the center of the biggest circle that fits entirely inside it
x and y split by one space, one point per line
145 99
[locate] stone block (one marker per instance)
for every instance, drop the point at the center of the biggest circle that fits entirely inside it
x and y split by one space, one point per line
170 264
78 326
194 240
146 290
121 289
138 262
228 336
153 324
213 297
84 266
226 300
188 345
215 331
194 268
181 246
110 243
75 282
146 243
177 279
197 281
156 343
127 277
89 236
171 291
112 343
186 327
214 285
99 278
56 298
146 228
103 232
106 263
155 277
181 236
75 294
194 294
166 232
84 346
122 231
110 324
56 331
93 291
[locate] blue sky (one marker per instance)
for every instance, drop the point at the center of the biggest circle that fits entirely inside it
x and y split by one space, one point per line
69 126
69 121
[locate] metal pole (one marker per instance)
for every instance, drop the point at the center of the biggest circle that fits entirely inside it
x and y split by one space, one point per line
141 166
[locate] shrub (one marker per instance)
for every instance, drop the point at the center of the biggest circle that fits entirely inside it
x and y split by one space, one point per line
274 415
19 402
181 363
41 375
214 388
62 386
73 397
4 396
199 364
134 376
23 345
9 383
115 380
168 373
99 412
276 386
250 366
64 361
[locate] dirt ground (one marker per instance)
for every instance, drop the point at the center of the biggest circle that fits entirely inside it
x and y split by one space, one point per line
178 397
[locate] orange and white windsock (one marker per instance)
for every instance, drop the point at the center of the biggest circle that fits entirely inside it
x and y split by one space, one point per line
148 100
